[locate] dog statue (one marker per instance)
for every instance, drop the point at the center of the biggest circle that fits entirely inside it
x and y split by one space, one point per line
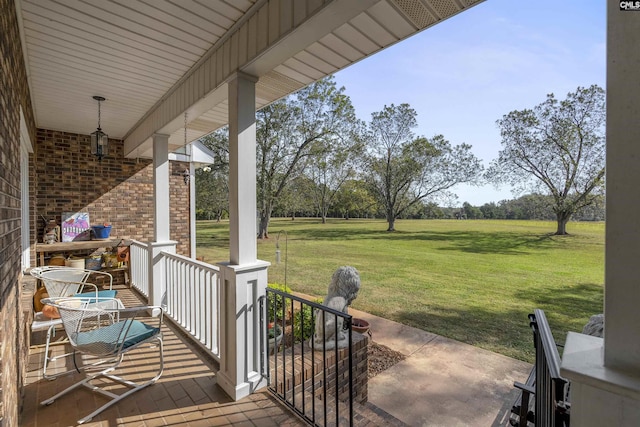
343 289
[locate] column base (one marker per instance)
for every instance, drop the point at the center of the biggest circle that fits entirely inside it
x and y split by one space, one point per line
242 292
600 396
242 390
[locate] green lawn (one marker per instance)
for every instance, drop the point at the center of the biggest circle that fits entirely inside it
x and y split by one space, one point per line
473 281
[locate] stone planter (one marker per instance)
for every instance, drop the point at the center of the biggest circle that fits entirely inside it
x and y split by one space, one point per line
275 334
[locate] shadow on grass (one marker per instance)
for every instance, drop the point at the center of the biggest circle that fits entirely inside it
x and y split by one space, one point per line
506 329
470 241
505 243
503 331
499 242
566 304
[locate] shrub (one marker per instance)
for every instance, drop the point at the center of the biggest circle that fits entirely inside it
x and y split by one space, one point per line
304 328
275 303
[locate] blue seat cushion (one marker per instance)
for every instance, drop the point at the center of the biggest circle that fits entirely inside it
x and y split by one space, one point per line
108 339
101 294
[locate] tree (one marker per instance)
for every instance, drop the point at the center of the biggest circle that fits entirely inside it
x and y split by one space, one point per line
433 211
289 131
491 211
557 148
471 212
296 198
354 200
331 166
212 184
403 170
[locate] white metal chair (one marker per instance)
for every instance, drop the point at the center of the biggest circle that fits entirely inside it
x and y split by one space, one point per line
67 281
64 282
105 330
44 323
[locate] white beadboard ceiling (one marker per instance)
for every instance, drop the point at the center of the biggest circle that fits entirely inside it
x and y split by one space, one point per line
154 60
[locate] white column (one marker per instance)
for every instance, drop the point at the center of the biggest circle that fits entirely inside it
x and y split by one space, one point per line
244 277
622 296
162 217
161 187
242 170
605 374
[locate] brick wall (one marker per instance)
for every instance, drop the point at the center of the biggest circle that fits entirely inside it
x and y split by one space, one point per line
359 371
14 95
297 375
63 177
116 190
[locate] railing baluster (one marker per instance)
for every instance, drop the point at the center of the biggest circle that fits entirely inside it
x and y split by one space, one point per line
313 373
335 321
284 359
324 368
293 363
303 370
348 320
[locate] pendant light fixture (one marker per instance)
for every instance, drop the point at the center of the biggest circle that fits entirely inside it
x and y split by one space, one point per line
99 139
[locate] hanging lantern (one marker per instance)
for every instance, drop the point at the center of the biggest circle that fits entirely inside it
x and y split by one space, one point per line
99 139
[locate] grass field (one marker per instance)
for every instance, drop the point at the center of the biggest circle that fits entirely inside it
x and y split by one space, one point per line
473 281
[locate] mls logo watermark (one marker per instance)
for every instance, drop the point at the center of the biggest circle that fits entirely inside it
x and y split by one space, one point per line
630 5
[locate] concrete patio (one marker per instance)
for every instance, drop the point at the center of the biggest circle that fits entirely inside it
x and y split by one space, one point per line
441 382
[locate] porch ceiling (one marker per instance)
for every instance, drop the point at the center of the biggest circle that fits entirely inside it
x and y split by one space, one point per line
156 60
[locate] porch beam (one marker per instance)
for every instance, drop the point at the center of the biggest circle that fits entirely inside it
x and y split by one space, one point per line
271 37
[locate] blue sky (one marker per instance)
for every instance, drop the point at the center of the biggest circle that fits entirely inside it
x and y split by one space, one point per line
468 71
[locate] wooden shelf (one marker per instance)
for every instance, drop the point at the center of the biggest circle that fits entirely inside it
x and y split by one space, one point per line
70 247
43 248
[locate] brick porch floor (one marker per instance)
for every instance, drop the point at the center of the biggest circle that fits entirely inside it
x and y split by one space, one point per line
185 395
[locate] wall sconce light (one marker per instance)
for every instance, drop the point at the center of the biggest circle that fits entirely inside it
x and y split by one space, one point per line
186 176
99 139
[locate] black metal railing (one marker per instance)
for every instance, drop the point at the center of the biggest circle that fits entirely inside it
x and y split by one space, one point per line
315 383
551 390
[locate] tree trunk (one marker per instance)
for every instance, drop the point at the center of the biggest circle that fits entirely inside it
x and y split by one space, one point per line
391 220
263 227
324 219
562 219
392 224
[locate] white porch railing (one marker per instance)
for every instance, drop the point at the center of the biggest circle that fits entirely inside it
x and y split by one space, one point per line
193 299
191 296
139 261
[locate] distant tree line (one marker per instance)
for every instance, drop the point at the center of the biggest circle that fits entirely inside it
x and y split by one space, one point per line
528 207
316 159
353 200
